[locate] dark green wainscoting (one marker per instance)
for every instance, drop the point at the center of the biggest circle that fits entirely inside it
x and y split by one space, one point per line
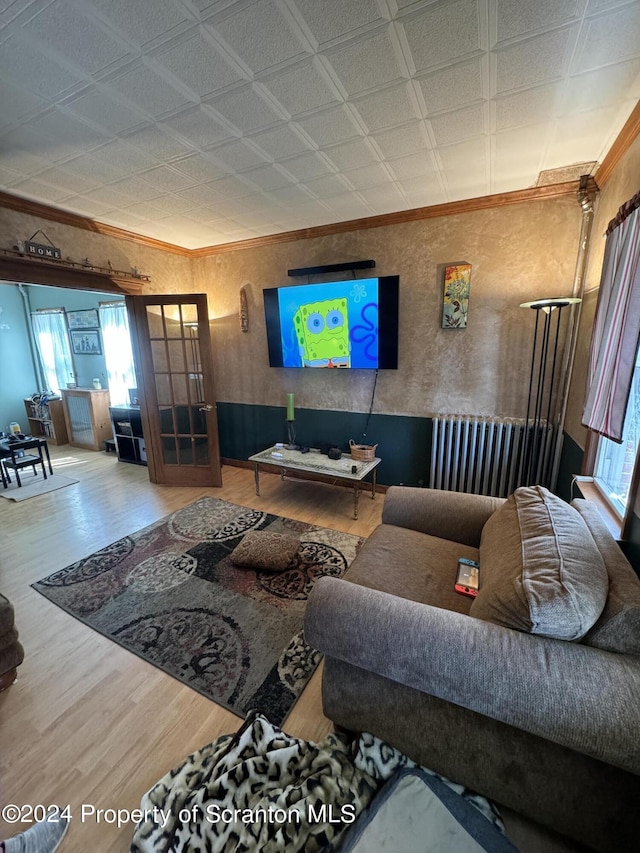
570 465
403 442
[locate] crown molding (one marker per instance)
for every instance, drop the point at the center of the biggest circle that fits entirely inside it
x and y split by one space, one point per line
75 220
451 208
621 145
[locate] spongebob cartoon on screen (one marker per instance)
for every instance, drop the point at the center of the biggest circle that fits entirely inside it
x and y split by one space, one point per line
322 329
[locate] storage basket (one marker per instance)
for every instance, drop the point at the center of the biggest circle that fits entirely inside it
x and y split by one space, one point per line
362 452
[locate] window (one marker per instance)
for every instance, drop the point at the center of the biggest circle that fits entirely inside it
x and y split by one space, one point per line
52 343
118 355
613 470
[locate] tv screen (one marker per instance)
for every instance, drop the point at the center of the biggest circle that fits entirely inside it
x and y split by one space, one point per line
346 324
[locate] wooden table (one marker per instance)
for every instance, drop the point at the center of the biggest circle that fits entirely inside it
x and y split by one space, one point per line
8 450
317 466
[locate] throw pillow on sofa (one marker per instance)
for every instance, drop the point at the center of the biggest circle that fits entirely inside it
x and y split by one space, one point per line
265 551
540 569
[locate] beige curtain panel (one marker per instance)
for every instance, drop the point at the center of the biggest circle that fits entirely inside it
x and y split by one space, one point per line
616 327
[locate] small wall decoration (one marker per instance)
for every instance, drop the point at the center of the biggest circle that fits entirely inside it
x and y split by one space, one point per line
244 310
39 250
86 342
83 319
457 283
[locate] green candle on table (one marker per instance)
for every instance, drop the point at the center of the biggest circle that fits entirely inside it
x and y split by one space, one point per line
290 412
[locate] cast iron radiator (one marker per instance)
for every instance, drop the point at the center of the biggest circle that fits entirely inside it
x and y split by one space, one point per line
489 456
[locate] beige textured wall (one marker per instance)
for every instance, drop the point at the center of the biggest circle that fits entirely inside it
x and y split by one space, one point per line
623 183
170 273
518 253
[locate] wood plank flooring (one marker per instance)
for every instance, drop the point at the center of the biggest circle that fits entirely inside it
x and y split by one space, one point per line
87 721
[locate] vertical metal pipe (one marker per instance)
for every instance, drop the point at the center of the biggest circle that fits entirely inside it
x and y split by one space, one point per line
497 459
478 477
553 364
515 472
441 437
586 199
442 425
506 456
35 356
434 452
545 474
465 455
486 462
455 474
472 455
523 478
532 471
447 463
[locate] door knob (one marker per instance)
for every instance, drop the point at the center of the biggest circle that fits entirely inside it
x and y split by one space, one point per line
206 408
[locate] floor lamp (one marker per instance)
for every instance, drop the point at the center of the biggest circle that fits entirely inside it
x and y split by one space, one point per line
535 461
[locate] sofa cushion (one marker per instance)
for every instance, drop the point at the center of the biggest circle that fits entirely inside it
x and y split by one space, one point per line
417 810
265 551
540 569
412 565
618 628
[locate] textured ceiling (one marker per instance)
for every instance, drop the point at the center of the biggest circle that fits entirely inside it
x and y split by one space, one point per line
202 122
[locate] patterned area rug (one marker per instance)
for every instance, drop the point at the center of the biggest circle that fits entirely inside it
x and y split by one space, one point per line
170 594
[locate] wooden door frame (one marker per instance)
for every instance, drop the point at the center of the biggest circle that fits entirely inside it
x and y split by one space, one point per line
136 308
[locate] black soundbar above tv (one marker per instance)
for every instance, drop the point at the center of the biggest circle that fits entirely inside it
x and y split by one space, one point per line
331 268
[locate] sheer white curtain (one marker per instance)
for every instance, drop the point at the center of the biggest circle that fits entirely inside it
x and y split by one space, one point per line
52 342
118 354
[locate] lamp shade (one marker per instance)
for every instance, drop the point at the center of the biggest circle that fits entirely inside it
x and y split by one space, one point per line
551 303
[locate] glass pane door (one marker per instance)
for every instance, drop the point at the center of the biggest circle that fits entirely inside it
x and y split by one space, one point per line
177 382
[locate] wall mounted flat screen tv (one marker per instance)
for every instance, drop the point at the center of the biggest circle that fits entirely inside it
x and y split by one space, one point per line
345 324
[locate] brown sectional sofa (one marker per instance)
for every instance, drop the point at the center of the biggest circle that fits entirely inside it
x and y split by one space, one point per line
547 727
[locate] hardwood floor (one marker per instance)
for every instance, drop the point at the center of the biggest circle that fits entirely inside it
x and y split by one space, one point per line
88 722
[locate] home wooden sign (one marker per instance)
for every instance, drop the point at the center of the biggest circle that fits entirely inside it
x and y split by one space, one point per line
41 250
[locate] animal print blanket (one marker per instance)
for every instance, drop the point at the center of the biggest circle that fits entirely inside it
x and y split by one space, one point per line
262 790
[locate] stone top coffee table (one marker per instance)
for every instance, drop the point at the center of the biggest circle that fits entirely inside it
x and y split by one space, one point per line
316 465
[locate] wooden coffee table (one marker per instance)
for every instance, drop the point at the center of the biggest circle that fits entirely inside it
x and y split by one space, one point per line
315 465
